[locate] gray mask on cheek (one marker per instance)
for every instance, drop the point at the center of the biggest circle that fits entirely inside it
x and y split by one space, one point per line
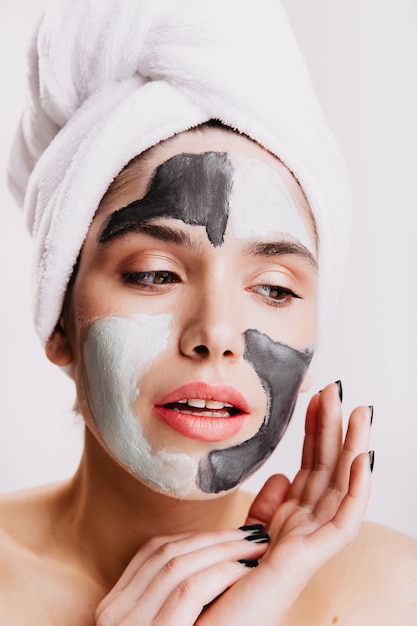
281 370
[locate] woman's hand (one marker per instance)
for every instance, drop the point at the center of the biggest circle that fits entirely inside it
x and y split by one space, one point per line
172 578
322 512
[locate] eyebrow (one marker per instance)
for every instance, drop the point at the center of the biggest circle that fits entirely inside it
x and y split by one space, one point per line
194 188
182 238
157 231
280 248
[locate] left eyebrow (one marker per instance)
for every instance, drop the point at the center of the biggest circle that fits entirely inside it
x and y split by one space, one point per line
280 248
156 231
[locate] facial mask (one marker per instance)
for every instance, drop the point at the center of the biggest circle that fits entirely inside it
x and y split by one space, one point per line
117 354
194 188
205 190
281 370
261 205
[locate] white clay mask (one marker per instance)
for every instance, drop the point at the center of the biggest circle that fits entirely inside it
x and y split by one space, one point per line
260 204
117 353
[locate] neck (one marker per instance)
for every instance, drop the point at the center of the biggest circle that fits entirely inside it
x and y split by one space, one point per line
112 514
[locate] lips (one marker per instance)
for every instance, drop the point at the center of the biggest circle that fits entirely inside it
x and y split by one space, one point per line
201 411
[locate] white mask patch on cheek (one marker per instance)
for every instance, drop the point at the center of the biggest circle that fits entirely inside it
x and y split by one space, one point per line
117 353
261 205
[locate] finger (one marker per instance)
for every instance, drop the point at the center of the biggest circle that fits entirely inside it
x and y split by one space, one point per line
179 572
308 454
331 537
163 547
270 497
167 566
184 566
356 441
323 445
311 429
145 552
186 602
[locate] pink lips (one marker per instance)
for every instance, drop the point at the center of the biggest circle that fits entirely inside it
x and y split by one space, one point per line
204 422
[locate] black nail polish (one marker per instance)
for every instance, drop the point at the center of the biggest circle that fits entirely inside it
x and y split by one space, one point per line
371 459
249 562
339 384
371 408
258 538
252 528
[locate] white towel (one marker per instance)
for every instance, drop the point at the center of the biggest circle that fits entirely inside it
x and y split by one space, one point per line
110 78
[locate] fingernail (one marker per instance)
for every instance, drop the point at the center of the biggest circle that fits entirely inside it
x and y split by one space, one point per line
252 528
249 562
258 538
339 384
371 408
371 459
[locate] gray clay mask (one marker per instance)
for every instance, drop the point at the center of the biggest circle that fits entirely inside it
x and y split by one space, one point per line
194 188
281 370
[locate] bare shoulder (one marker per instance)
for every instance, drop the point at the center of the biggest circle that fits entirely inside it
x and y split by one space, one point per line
19 535
372 581
40 581
25 516
392 558
388 567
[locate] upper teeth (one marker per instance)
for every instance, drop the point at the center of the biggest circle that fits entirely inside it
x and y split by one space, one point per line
198 403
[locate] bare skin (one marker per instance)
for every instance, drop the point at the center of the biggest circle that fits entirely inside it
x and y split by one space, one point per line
105 549
63 557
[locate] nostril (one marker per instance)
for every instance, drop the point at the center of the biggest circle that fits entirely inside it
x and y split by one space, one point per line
202 350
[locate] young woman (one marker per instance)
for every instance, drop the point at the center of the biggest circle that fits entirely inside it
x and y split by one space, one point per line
183 297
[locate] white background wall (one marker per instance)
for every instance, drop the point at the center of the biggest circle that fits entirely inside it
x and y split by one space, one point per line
362 55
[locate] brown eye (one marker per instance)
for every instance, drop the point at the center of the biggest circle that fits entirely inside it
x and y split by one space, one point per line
161 278
150 278
275 295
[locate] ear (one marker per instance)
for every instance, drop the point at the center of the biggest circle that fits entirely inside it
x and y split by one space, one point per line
58 347
306 384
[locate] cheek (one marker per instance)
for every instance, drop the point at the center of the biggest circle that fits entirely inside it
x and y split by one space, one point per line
116 354
281 370
295 326
302 322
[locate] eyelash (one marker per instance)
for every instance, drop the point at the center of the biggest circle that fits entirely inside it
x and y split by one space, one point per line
285 295
139 279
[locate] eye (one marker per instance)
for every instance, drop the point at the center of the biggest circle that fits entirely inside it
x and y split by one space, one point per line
150 280
275 295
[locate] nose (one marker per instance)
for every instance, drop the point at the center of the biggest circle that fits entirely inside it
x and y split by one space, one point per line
212 329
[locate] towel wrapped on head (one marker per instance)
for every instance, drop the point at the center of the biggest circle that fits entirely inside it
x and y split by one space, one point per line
109 79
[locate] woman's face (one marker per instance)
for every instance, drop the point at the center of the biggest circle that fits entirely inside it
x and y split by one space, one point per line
193 314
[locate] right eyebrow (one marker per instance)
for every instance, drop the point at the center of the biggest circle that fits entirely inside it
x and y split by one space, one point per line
160 232
280 248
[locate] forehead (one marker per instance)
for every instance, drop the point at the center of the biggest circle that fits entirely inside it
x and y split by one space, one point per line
133 183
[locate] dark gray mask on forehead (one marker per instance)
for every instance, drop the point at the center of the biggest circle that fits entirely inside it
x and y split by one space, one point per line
194 188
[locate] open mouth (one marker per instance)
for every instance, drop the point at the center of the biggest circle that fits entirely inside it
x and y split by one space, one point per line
208 412
198 407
